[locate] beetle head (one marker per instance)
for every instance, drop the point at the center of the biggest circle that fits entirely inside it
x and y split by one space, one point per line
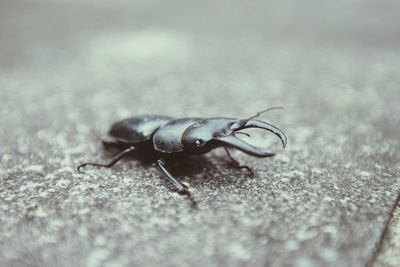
210 133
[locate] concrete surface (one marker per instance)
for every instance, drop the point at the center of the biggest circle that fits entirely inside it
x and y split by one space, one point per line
69 69
389 253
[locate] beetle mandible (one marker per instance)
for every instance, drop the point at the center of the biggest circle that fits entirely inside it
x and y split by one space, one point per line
165 138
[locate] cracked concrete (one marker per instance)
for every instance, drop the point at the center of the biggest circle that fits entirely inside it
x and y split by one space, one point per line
68 70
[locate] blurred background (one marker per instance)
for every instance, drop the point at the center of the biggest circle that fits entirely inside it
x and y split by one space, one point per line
68 69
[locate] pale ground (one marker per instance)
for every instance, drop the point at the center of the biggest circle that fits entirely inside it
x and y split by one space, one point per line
389 255
69 69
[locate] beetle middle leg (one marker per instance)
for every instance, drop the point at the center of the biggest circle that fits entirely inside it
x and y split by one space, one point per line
180 187
233 162
114 160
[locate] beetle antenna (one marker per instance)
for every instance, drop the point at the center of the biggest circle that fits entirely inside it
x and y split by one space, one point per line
244 121
263 111
243 133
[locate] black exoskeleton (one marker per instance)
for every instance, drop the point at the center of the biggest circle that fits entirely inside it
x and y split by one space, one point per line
166 138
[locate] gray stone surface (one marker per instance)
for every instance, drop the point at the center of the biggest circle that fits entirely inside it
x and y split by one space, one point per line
389 254
69 69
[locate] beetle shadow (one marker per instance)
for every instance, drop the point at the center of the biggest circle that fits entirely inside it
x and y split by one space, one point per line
191 166
210 172
200 170
180 166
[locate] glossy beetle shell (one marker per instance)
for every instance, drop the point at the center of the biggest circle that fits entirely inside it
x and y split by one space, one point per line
136 129
167 139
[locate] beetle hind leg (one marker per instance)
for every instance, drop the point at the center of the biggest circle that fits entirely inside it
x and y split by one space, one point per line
235 163
114 160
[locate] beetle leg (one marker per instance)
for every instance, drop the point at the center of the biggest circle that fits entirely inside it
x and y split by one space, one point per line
236 163
182 189
114 160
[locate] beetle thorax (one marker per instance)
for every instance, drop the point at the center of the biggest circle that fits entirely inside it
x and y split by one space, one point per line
201 133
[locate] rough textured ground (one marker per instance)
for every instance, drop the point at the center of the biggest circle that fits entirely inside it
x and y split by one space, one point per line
389 254
69 69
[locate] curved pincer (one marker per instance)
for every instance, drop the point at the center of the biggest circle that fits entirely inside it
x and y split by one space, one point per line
261 125
234 142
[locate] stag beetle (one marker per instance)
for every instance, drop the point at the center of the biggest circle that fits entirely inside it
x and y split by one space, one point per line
166 138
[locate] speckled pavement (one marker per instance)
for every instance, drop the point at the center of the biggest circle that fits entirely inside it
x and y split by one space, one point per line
389 253
70 69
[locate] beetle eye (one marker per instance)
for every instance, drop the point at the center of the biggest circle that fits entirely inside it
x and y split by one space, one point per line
198 142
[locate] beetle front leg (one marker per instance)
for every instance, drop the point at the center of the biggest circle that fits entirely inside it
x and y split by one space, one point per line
233 162
181 188
114 160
